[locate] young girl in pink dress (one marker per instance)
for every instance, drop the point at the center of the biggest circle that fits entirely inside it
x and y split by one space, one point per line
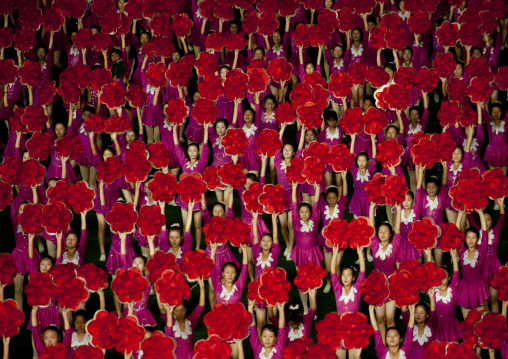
424 330
331 134
219 156
55 167
250 160
409 214
268 342
195 131
496 154
152 110
389 346
461 135
75 248
337 59
49 335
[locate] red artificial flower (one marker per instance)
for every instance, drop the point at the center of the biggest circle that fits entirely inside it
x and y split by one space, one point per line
355 330
228 321
472 318
314 79
252 292
426 79
11 170
479 90
110 170
224 10
257 63
273 199
102 7
496 182
280 70
96 278
500 283
191 187
56 218
232 175
445 145
478 67
237 232
216 41
53 19
380 95
340 84
397 96
129 285
502 77
100 77
24 40
419 23
158 346
205 64
235 142
103 329
423 234
377 37
244 4
444 64
11 318
210 88
258 80
163 187
131 335
155 75
150 220
449 113
491 330
6 36
404 75
357 73
75 9
310 115
176 111
69 146
328 20
301 35
473 198
301 94
88 352
136 96
268 23
181 25
250 23
117 124
433 276
396 38
46 92
59 193
313 169
8 269
251 198
125 26
457 90
359 233
328 331
40 289
294 171
15 120
451 237
317 36
351 121
211 178
204 111
196 265
375 288
70 92
274 287
136 169
72 293
448 33
33 173
34 118
285 113
158 155
122 218
347 18
101 41
213 347
377 76
8 71
213 231
319 150
113 95
236 42
469 34
373 189
235 85
172 287
335 233
321 96
389 153
374 120
341 157
404 288
159 263
309 276
6 196
468 117
365 7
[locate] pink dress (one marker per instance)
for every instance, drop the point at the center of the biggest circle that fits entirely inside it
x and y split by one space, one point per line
407 251
23 263
448 326
359 204
219 156
115 259
152 114
166 131
55 167
385 261
86 158
184 339
326 217
476 146
282 178
247 216
384 353
250 160
141 311
221 293
184 248
410 133
496 154
421 343
111 193
306 249
331 138
347 302
267 123
432 208
453 174
79 256
258 349
271 262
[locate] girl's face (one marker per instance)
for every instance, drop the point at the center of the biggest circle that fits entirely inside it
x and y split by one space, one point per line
50 338
401 5
121 4
393 338
389 71
431 189
328 4
193 152
476 53
331 199
196 96
414 116
80 324
220 128
310 136
94 31
408 202
175 56
268 338
471 239
229 274
496 113
391 133
258 54
420 315
147 190
457 155
130 137
71 241
248 117
144 38
309 69
179 312
233 28
384 233
362 162
45 265
488 221
60 130
41 53
26 157
20 209
355 35
276 37
175 238
218 211
332 123
266 243
458 72
85 115
367 104
407 55
115 57
371 25
287 151
223 73
270 104
491 42
139 264
107 154
347 277
338 52
304 213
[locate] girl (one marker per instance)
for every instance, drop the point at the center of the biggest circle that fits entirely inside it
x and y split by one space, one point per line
152 111
331 134
219 156
462 134
55 167
195 163
390 346
333 207
496 154
265 117
358 46
51 335
195 131
226 107
44 56
308 68
138 43
385 247
75 247
182 329
337 58
305 137
130 138
79 335
425 329
281 47
250 160
409 214
473 290
272 339
166 130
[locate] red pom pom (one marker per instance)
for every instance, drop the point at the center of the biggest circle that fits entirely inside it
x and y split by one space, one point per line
375 288
159 156
122 218
250 23
196 265
34 118
110 170
301 95
100 77
268 143
101 41
273 199
313 169
214 231
404 288
377 76
479 90
102 7
40 289
72 293
444 64
46 92
56 218
228 321
252 293
135 95
341 158
96 278
285 113
496 182
377 37
211 178
373 189
69 146
340 84
419 23
11 318
374 120
191 187
258 80
274 287
6 36
359 232
216 41
211 87
213 347
335 233
181 25
159 263
457 90
389 153
8 71
502 77
53 20
103 329
309 276
158 346
365 7
352 121
328 20
24 40
235 141
151 220
294 171
205 64
88 352
232 175
237 232
328 332
451 237
176 111
268 23
236 42
424 234
11 170
172 287
491 331
59 193
235 85
251 198
30 218
310 115
426 79
204 111
448 34
8 270
347 18
433 276
500 283
131 335
15 120
155 74
113 95
129 285
355 330
280 70
163 187
33 173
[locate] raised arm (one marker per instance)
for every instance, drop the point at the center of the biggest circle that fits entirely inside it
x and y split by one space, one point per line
275 229
255 235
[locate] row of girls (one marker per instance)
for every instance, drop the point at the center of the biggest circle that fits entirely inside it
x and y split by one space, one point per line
307 205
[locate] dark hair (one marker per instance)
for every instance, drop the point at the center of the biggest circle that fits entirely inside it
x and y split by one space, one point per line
45 48
392 126
227 67
386 224
305 204
220 204
474 230
449 272
286 144
180 52
80 312
424 305
89 109
270 97
252 176
109 148
433 179
175 227
294 315
55 329
193 144
365 154
270 328
150 330
361 32
46 258
494 105
439 21
142 257
147 33
411 194
332 189
96 27
260 48
115 51
72 232
415 108
390 65
409 49
236 22
311 63
393 328
369 98
372 19
351 268
476 48
61 123
332 115
228 264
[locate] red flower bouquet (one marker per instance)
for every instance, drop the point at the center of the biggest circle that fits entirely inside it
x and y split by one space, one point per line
288 8
373 189
352 121
46 92
24 40
457 90
205 65
8 269
310 115
309 276
191 187
433 276
213 347
424 234
53 20
88 352
135 95
96 278
40 289
396 38
252 293
375 288
479 90
211 178
448 33
268 23
122 218
377 76
374 120
285 113
151 220
72 293
328 20
131 335
404 76
101 41
243 4
500 283
377 37
328 331
6 196
319 150
15 120
340 158
251 196
314 79
502 78
172 287
11 318
236 42
228 321
357 73
34 118
177 111
158 346
451 237
181 25
258 80
8 72
426 79
301 95
117 124
469 34
59 193
102 7
419 23
129 285
404 288
56 218
237 232
216 41
210 88
445 145
273 199
214 231
110 170
473 317
294 171
274 287
196 265
425 153
321 96
103 329
340 84
477 67
313 169
496 182
268 143
398 96
301 35
234 142
6 36
163 187
113 95
280 69
444 64
347 18
62 273
232 175
473 198
159 263
389 153
355 330
33 173
224 10
11 170
317 36
204 111
158 155
335 233
155 75
359 232
491 331
100 77
235 85
251 23
69 146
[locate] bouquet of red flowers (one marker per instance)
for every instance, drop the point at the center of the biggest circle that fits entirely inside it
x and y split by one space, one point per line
313 169
59 193
258 80
11 318
88 352
268 23
359 233
404 288
216 41
319 150
301 35
502 77
448 33
310 115
158 155
373 189
122 218
6 36
214 231
100 77
69 146
228 321
113 95
445 145
268 143
117 124
433 276
340 84
352 121
56 218
341 158
40 146
131 335
40 289
375 288
457 90
158 346
357 73
274 287
46 92
389 153
328 20
135 95
72 293
33 173
129 285
309 276
15 120
62 273
96 278
280 70
496 182
237 232
211 178
467 117
232 175
234 142
425 152
150 220
347 18
101 41
191 187
479 90
444 64
24 40
205 65
204 111
213 347
469 33
161 25
155 74
426 79
317 36
53 19
335 233
251 23
210 88
172 287
8 269
34 118
424 234
301 95
285 113
103 329
235 85
196 265
163 187
328 332
6 196
374 120
478 67
236 42
321 96
110 170
177 111
11 170
273 199
159 263
377 37
8 72
252 292
181 25
491 330
102 7
355 330
451 237
251 198
82 39
500 283
377 76
294 171
314 79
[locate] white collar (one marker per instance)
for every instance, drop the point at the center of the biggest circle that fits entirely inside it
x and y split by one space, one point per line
249 131
491 237
306 227
346 298
75 342
147 202
75 260
227 295
410 64
191 167
474 144
402 355
447 298
403 16
335 213
218 142
293 336
185 334
277 52
263 356
179 254
383 254
262 263
432 204
497 129
283 165
332 136
74 51
408 219
168 126
362 178
455 171
427 334
44 66
268 119
20 229
358 52
338 67
413 131
471 262
150 89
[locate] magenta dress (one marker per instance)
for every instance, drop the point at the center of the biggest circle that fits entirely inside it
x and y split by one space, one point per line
184 248
79 256
115 261
247 216
384 353
305 328
496 154
326 217
74 55
141 311
250 160
221 293
420 343
385 261
331 138
453 174
111 193
166 131
363 144
258 349
46 70
476 146
448 326
39 346
219 156
136 77
347 302
410 133
271 262
473 290
407 251
152 114
338 68
55 167
432 208
184 339
13 95
226 108
282 178
359 204
86 158
306 249
23 263
195 37
360 54
262 119
194 131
